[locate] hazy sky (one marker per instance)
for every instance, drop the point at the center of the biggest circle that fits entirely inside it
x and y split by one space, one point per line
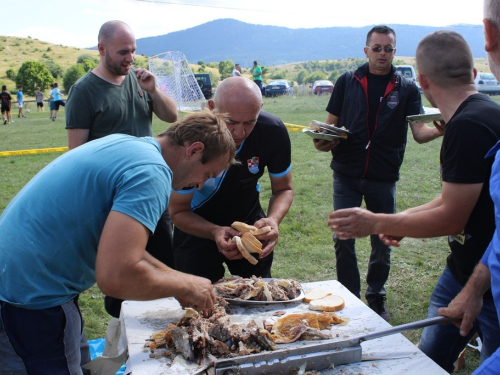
76 23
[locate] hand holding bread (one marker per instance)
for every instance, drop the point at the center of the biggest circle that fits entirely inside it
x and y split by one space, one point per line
247 243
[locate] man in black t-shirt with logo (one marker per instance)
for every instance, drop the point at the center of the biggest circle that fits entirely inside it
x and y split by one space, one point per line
6 102
464 210
202 216
372 103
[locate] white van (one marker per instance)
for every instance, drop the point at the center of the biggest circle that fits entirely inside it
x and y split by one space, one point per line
408 71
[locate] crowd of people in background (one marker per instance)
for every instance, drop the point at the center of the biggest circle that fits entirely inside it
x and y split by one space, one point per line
54 99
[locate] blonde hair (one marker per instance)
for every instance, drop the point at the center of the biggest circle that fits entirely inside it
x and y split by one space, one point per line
208 128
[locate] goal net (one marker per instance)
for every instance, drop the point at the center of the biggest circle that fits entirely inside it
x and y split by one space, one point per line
176 79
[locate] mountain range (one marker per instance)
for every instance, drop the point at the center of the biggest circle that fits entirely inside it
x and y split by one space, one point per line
229 39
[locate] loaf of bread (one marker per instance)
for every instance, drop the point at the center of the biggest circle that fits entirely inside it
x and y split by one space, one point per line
262 230
243 227
329 303
316 293
244 251
252 244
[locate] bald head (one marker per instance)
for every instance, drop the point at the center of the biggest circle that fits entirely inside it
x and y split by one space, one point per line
240 100
237 90
446 59
110 28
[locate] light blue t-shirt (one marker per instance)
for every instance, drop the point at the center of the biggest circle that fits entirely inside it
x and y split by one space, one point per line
50 231
19 97
57 94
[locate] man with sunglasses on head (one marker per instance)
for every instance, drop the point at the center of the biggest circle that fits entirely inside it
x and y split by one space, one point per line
372 103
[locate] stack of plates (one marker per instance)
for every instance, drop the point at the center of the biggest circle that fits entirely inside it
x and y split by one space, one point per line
428 117
327 132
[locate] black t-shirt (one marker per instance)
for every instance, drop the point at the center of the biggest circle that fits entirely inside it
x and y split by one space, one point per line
5 98
472 131
234 196
376 90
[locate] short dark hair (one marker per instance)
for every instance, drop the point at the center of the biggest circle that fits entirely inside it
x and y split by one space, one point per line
4 87
380 29
445 58
19 87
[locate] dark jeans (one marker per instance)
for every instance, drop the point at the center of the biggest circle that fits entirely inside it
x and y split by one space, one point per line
259 83
443 343
160 246
379 197
43 342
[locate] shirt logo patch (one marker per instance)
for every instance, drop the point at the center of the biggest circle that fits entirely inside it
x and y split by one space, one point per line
253 164
393 99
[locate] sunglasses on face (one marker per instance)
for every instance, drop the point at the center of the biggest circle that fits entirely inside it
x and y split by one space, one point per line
379 49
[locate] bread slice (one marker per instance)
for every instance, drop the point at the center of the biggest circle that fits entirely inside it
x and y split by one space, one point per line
244 251
330 303
316 293
243 227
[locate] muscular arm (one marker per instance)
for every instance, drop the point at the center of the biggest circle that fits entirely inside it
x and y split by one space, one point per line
77 137
445 215
423 133
125 270
467 305
163 106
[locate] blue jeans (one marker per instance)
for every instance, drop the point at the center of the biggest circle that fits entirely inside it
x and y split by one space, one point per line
380 197
442 343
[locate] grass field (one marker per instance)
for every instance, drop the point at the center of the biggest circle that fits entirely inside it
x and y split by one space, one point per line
305 251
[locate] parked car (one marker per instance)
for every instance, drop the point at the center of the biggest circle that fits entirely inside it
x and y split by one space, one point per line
278 87
322 87
487 84
408 71
205 84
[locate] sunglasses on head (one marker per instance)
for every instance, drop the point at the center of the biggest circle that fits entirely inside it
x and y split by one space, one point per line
379 49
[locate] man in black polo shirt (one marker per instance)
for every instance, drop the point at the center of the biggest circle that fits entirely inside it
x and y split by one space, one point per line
372 103
203 218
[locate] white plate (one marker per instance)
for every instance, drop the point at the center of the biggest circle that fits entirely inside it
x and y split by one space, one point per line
425 118
234 301
326 137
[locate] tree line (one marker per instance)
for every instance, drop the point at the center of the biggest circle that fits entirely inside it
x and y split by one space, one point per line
33 74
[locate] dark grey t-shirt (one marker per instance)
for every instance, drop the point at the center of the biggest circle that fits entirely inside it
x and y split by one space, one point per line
106 108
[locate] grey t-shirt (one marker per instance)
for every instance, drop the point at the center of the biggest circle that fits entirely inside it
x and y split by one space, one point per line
106 108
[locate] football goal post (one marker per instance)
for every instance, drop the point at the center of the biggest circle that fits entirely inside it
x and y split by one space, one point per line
176 79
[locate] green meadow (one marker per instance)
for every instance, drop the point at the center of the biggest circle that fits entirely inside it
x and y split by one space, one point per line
305 251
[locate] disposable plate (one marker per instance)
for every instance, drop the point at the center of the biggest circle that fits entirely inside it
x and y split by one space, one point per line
425 118
326 137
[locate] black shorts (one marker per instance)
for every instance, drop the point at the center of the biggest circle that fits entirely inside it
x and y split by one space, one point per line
39 104
5 108
57 103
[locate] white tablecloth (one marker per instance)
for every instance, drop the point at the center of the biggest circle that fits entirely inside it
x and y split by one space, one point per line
387 355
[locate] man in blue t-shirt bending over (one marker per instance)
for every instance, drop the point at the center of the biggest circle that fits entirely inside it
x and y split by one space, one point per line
86 218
